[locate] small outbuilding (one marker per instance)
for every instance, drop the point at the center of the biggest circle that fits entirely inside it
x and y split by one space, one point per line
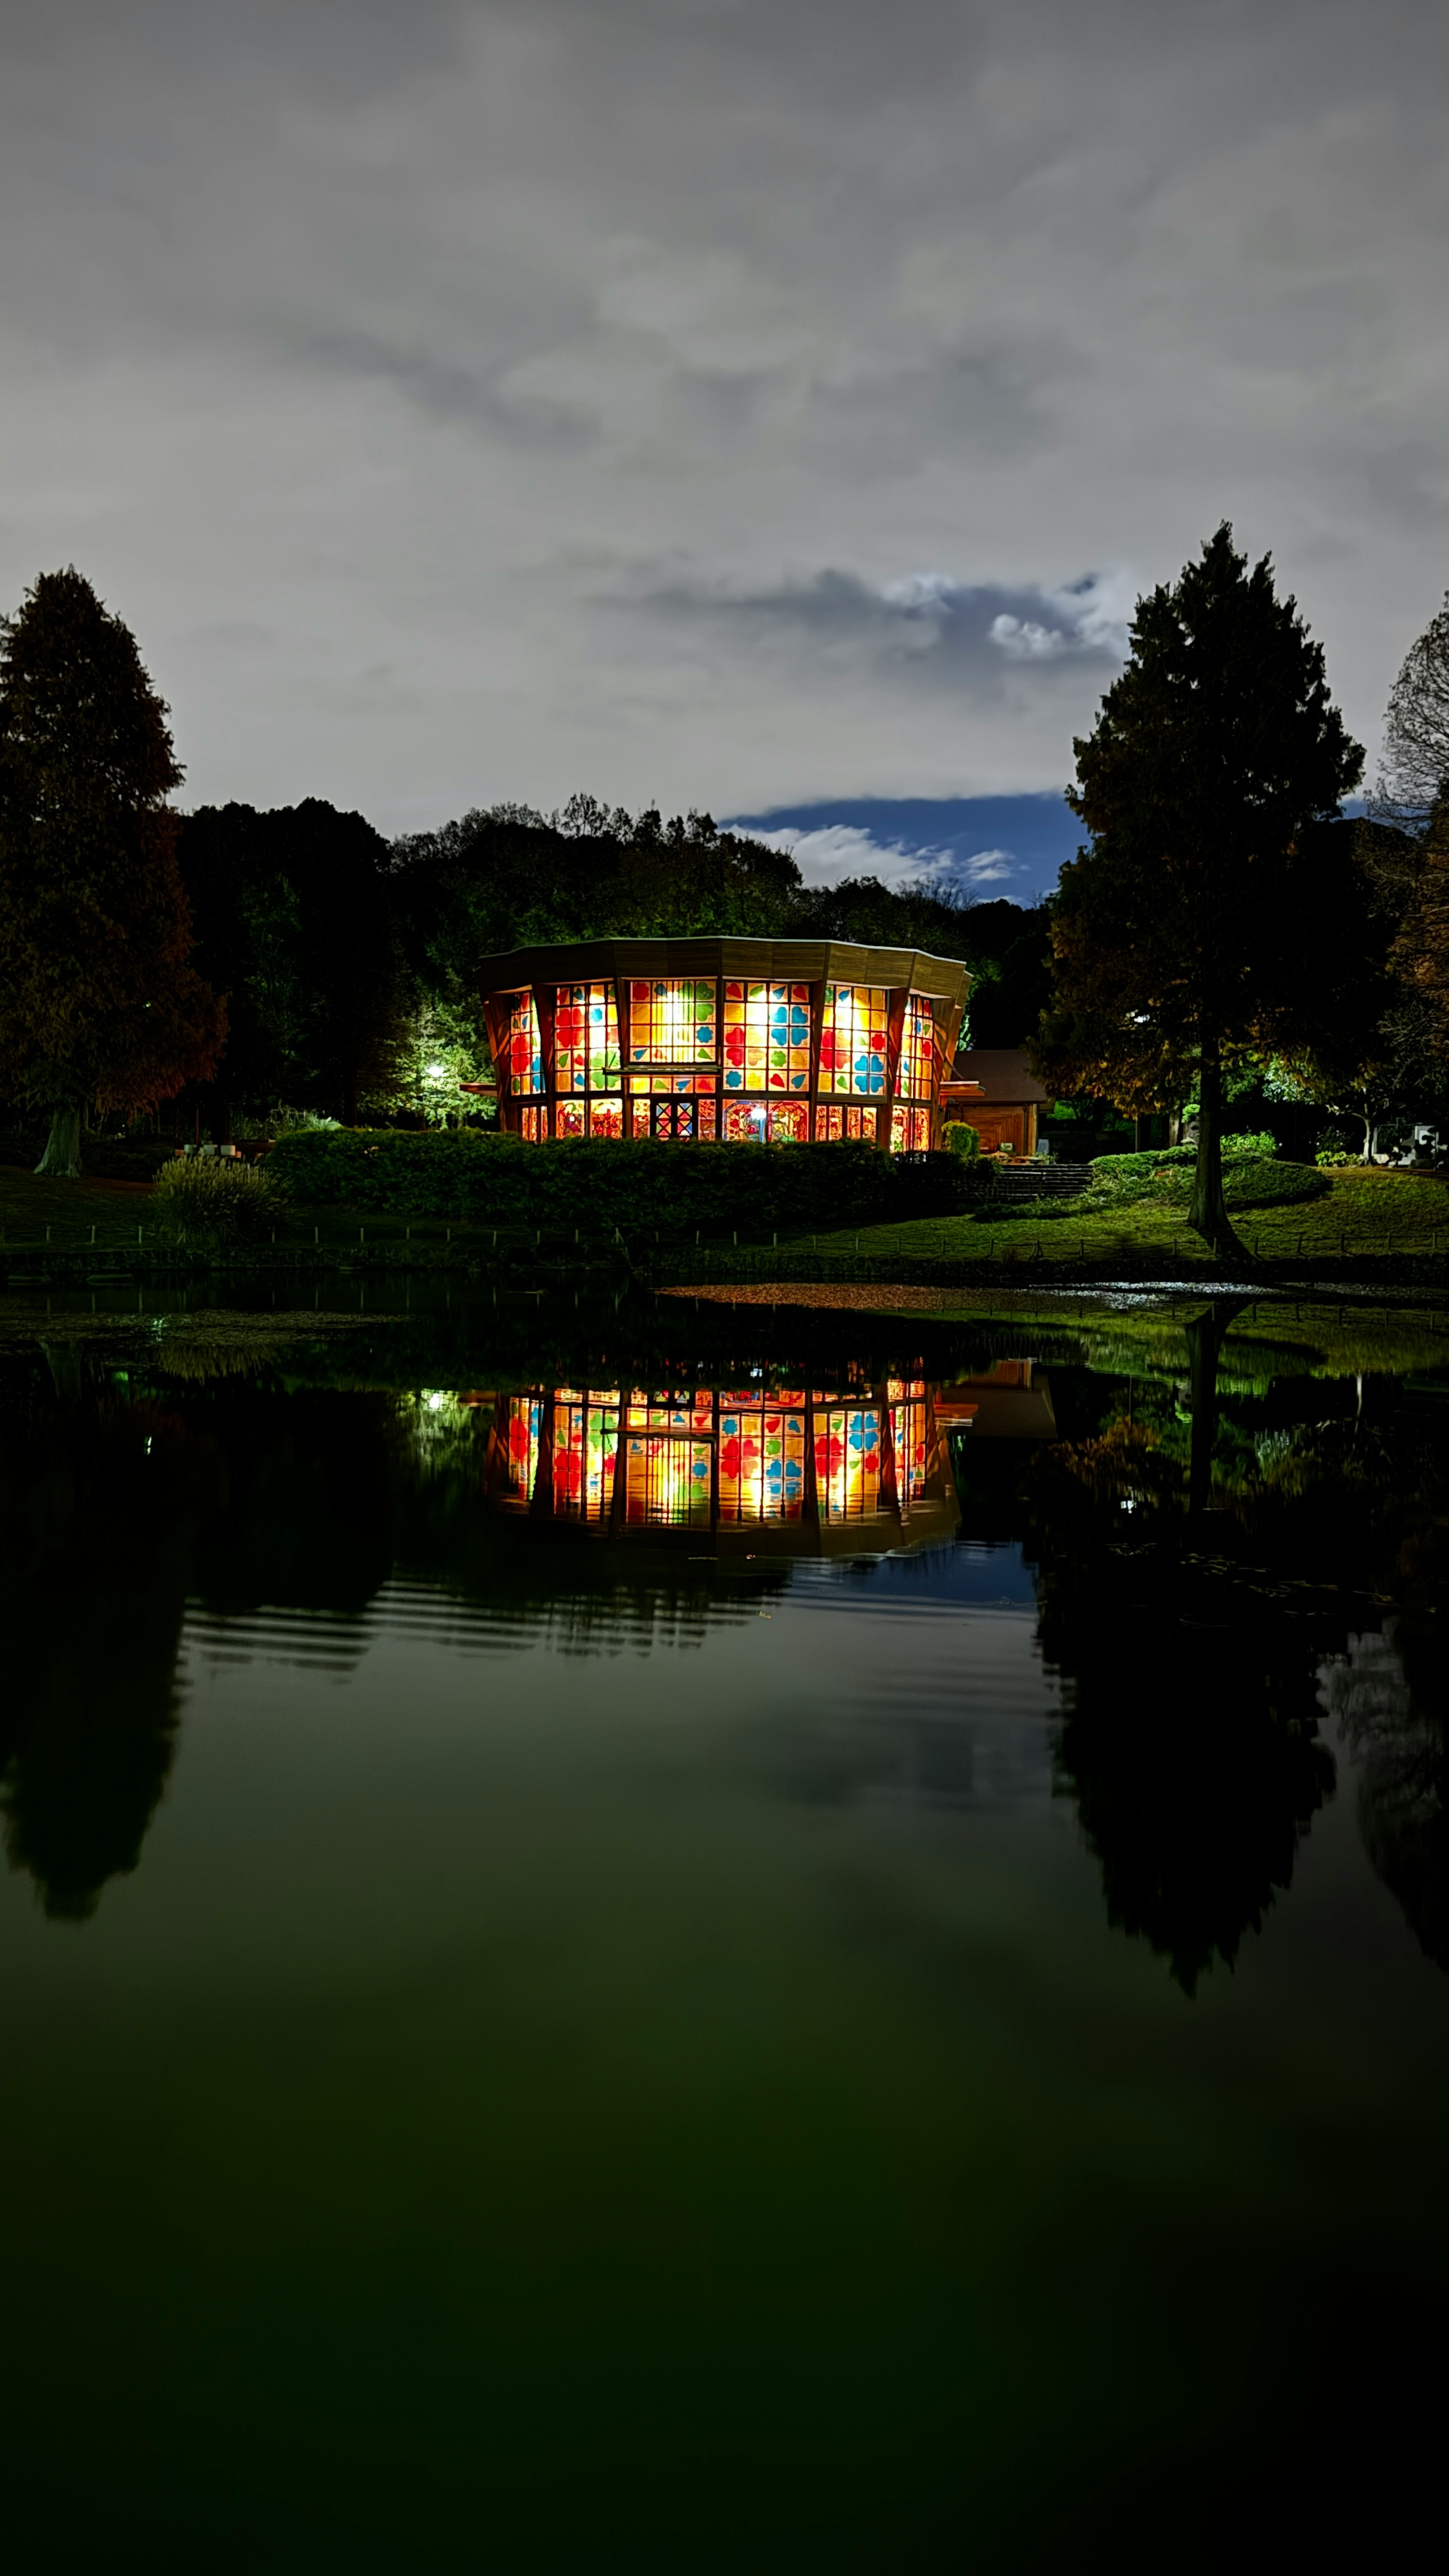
994 1090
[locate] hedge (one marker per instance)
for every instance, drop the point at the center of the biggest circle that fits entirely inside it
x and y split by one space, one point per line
598 1185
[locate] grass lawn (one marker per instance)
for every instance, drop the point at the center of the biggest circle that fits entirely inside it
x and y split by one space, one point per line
1365 1213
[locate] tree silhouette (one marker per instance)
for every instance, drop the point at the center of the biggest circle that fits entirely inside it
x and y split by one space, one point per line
1191 932
97 999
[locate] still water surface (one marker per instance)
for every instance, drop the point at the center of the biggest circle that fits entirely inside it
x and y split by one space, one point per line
820 1956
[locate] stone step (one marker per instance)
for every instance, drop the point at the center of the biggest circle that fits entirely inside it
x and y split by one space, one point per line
1042 1179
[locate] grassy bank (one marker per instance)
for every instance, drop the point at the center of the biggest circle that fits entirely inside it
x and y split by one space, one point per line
1363 1225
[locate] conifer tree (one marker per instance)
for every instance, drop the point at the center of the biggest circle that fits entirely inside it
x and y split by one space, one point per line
1197 929
97 1001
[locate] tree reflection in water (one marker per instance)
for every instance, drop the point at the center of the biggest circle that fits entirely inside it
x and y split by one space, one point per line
99 1503
1197 1598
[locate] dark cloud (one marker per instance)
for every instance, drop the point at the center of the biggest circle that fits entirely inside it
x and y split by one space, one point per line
926 625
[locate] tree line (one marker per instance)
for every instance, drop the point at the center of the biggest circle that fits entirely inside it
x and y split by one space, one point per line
1222 924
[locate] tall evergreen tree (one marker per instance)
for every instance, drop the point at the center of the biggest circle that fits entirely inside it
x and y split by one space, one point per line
98 1002
1203 924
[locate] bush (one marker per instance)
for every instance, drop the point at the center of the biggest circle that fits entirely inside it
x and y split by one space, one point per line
211 1203
960 1138
641 1188
1258 1179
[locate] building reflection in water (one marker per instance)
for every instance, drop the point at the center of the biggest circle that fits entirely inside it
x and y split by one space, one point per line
773 1470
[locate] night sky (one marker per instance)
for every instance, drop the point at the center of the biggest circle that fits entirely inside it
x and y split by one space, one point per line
771 406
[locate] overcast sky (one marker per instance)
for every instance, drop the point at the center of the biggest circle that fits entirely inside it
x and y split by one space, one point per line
747 404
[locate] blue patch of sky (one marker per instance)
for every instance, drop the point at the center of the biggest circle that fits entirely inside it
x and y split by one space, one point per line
992 845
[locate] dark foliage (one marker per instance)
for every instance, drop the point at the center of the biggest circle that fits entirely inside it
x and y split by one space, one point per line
638 1187
294 923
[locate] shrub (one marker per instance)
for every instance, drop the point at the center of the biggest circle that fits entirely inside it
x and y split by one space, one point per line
212 1203
960 1138
1249 1180
641 1188
279 1122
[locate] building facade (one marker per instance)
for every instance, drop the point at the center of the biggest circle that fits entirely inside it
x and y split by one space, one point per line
783 1041
994 1090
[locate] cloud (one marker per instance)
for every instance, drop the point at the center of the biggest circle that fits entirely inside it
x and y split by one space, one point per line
839 850
832 852
927 623
989 867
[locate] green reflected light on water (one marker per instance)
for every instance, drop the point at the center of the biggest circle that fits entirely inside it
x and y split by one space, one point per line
551 2041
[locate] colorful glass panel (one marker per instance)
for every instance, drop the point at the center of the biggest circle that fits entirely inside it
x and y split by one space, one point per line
666 1480
789 1122
568 1118
853 1039
744 1121
908 1440
531 1121
761 1465
525 1418
585 1449
835 1125
767 1037
910 1131
916 1080
693 1410
525 1055
847 1462
586 1038
606 1118
672 1022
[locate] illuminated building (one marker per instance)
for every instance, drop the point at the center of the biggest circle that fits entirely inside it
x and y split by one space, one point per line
777 1041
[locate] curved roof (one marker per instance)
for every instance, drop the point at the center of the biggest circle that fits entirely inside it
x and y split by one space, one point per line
804 961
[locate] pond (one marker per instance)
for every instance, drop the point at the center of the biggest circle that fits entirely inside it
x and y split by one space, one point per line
504 2060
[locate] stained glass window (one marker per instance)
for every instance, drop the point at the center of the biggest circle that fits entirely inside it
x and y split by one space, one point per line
853 1039
767 1037
761 1464
847 1462
606 1118
910 1131
586 1038
672 1022
525 1056
744 1121
525 1416
568 1118
532 1122
833 1124
789 1122
691 1411
660 1083
585 1448
666 1480
908 1438
916 1080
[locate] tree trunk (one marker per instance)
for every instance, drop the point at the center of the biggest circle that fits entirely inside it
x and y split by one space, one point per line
1208 1213
61 1158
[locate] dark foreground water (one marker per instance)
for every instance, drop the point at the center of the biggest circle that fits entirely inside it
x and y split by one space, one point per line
821 1951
